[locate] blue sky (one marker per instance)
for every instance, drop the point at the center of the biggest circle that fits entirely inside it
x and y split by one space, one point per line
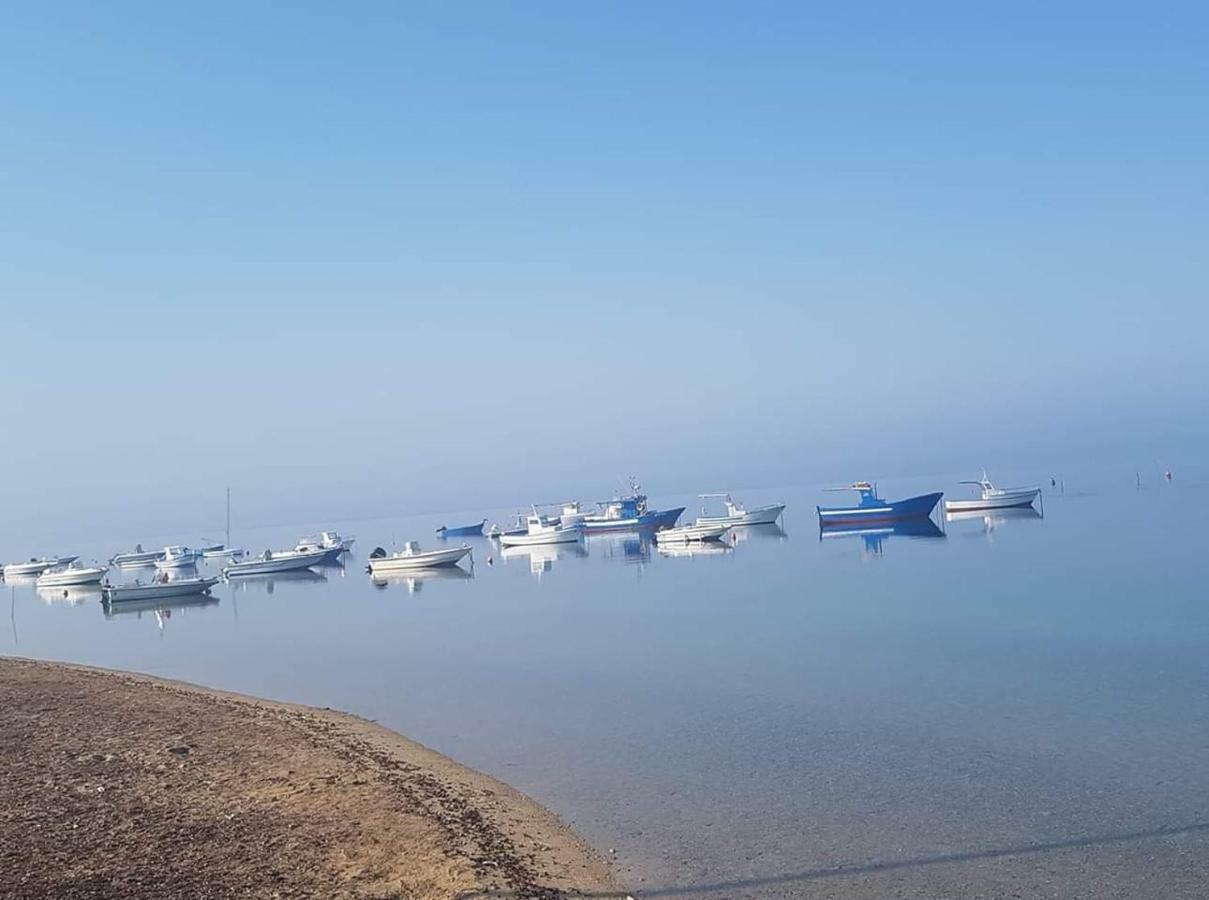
371 258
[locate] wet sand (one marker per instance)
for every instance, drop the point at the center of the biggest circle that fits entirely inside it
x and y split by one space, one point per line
123 785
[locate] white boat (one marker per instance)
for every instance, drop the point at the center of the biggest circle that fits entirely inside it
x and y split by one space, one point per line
411 557
153 590
73 574
991 497
736 514
135 559
334 539
541 530
686 534
276 561
177 557
37 566
232 553
331 555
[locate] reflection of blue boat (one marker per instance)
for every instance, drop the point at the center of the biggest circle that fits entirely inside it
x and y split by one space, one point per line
874 534
628 513
873 508
462 530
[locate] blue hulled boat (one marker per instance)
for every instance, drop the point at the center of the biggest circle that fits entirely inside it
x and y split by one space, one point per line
629 513
461 530
873 508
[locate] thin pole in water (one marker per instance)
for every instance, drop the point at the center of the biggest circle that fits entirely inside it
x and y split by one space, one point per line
228 544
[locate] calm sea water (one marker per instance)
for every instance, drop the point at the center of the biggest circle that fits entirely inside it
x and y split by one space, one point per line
1018 706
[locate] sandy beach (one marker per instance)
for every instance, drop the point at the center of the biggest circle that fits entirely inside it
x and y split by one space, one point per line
124 785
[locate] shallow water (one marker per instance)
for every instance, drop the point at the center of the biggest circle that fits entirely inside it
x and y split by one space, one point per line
1018 706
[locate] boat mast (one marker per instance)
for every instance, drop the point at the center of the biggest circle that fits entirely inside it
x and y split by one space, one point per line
228 543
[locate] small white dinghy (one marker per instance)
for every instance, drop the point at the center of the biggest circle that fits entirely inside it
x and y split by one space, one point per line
276 561
411 557
541 530
991 497
154 590
72 575
691 534
177 557
37 566
136 559
737 514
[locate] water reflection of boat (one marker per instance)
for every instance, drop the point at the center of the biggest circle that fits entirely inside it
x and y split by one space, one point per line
414 581
875 535
701 548
634 547
745 533
162 606
993 519
72 595
543 556
268 583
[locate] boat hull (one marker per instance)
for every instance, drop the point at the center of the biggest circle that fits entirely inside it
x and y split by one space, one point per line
136 560
911 508
691 534
37 566
764 515
158 590
432 559
287 562
463 530
1007 500
72 577
525 539
660 518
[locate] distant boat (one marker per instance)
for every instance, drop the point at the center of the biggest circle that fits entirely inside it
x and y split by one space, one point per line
991 497
736 514
37 566
411 558
462 530
275 561
177 557
330 554
138 558
233 553
687 534
157 589
71 575
333 538
626 513
874 509
541 529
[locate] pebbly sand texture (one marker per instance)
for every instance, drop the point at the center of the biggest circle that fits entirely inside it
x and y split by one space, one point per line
120 785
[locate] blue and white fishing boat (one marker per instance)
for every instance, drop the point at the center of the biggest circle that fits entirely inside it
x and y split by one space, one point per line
475 530
629 513
873 508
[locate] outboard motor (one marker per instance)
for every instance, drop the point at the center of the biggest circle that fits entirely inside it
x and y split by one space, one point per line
378 553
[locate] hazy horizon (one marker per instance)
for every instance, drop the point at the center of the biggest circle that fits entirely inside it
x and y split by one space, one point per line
418 258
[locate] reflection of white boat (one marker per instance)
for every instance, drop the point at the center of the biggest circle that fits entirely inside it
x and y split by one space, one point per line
136 559
73 596
411 557
275 561
177 557
687 534
542 557
736 514
70 575
162 607
708 548
269 583
156 590
742 533
991 497
414 581
37 566
541 530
